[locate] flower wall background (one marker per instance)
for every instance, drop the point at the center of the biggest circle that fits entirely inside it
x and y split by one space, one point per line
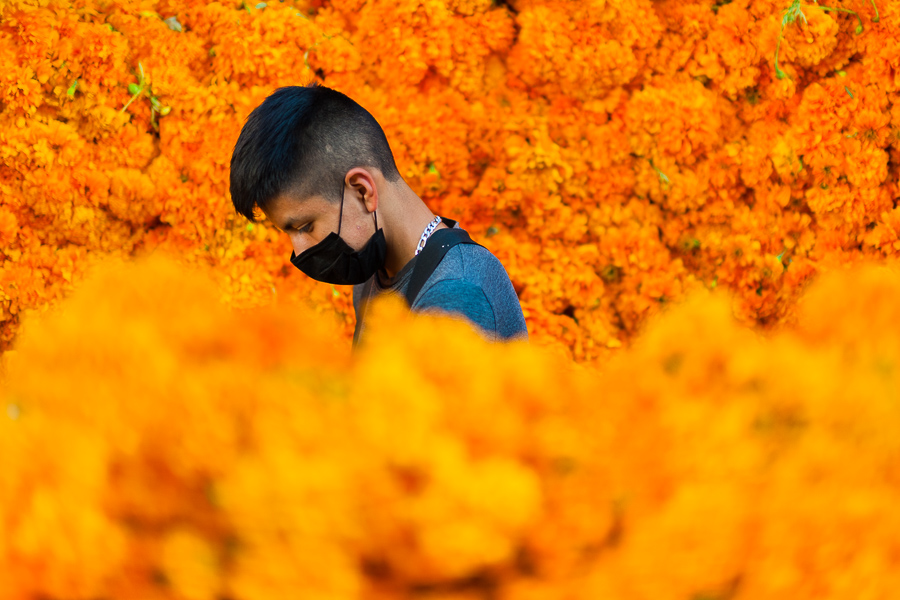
614 154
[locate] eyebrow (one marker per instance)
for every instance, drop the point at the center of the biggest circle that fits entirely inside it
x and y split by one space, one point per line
293 222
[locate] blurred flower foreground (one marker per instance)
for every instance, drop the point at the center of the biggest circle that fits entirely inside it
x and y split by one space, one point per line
158 444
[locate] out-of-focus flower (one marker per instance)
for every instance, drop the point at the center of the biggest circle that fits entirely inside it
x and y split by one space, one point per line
210 452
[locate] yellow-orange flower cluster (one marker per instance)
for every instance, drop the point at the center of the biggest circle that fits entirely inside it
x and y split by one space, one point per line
615 154
157 444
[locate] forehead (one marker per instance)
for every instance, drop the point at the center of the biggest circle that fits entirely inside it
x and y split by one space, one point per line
292 206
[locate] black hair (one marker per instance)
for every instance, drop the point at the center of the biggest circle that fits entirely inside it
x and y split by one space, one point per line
304 139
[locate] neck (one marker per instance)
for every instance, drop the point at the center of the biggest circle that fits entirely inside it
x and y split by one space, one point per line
405 218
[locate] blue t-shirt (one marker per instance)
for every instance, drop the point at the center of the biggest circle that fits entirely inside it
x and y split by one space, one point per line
469 282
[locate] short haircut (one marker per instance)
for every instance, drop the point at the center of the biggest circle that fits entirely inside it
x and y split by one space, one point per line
304 140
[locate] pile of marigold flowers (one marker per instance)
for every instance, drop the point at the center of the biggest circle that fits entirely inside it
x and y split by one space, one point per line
158 444
679 169
615 154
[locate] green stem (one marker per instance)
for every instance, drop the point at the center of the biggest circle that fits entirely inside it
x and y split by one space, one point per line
859 28
778 72
141 84
877 16
133 98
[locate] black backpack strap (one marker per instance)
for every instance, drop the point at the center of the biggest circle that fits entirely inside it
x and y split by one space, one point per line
430 257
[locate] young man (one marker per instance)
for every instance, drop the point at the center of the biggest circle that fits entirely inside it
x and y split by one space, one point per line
319 166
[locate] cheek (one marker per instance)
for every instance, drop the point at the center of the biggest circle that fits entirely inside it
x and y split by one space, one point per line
361 234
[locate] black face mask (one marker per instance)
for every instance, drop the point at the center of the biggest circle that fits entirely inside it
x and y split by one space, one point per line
333 260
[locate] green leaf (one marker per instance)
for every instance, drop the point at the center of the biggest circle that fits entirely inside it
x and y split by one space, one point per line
71 91
663 178
174 24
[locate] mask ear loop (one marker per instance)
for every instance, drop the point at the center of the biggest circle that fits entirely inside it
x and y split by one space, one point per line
341 213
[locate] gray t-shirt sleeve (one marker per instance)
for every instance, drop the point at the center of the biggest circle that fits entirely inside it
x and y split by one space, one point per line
471 282
357 297
461 297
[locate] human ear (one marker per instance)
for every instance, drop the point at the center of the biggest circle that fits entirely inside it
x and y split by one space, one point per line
362 182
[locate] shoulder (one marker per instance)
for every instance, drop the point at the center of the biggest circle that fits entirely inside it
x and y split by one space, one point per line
471 281
468 261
